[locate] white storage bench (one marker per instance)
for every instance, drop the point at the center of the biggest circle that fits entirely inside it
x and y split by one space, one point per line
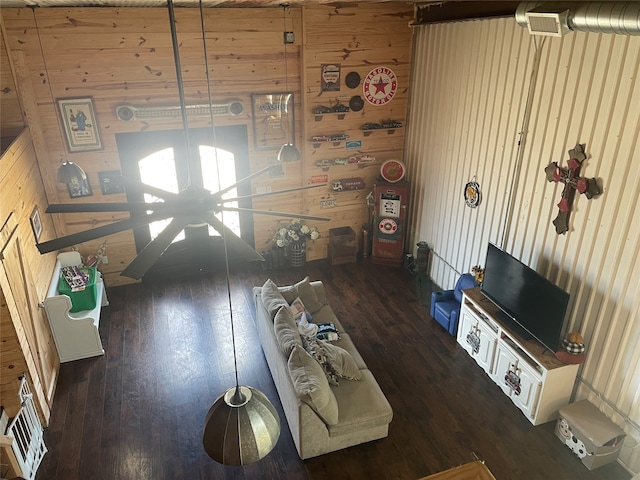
76 334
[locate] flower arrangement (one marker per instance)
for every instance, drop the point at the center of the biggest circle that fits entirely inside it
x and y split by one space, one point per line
478 272
295 232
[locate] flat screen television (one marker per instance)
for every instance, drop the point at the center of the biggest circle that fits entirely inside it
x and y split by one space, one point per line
529 303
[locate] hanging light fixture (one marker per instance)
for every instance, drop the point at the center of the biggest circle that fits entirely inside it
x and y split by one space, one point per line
288 152
242 426
69 171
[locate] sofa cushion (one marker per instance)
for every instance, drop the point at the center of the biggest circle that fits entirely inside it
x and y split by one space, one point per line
362 406
286 331
272 298
346 343
306 293
311 385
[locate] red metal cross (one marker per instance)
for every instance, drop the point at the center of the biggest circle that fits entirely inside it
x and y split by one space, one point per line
572 180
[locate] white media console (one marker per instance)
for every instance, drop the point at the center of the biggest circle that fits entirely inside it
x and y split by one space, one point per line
536 381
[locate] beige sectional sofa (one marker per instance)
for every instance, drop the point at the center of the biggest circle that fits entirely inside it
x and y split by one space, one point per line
322 417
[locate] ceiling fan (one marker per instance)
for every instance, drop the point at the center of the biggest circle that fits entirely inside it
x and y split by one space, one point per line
192 206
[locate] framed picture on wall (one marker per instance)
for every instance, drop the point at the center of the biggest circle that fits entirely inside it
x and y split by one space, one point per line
36 222
79 187
273 123
80 124
111 182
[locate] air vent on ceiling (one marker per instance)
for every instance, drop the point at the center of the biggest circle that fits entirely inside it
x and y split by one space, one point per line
553 24
130 112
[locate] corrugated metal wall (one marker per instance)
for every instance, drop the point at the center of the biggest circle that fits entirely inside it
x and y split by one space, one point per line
471 88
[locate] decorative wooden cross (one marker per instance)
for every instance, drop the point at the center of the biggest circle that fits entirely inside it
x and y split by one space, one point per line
572 182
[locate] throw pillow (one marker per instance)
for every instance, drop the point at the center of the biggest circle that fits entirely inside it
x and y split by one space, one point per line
342 362
314 348
334 360
306 292
272 298
286 331
311 385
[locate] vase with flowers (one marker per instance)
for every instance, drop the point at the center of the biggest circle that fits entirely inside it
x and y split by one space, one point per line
293 236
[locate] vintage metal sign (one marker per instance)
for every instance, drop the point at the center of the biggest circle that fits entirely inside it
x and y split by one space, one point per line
380 86
353 144
319 179
331 203
330 80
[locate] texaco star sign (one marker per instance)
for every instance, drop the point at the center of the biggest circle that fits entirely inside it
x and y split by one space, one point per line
380 85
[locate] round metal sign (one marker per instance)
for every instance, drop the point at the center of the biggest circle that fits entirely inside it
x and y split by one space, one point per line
472 195
380 86
356 103
352 79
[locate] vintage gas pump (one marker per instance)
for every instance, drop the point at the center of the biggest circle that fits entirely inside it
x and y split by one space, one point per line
389 223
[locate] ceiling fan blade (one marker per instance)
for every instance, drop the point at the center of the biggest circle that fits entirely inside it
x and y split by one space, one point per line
234 242
94 233
154 249
288 190
156 192
276 214
242 180
98 207
144 188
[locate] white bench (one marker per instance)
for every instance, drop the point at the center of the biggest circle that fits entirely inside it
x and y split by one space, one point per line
76 334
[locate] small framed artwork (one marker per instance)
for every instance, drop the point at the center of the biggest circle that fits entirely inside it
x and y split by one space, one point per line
36 222
272 120
111 182
80 124
79 187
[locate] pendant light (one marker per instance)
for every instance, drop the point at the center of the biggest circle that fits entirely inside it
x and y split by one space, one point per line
288 152
242 426
69 171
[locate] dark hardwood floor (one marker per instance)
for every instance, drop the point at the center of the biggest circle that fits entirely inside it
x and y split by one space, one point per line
137 412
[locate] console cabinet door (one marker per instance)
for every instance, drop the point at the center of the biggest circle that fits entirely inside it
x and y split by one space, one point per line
478 339
517 380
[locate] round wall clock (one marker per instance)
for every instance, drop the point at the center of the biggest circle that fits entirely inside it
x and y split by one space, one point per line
392 170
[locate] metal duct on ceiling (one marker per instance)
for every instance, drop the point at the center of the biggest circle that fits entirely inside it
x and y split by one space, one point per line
622 18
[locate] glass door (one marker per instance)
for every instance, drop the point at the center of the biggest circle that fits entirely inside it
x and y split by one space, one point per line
159 159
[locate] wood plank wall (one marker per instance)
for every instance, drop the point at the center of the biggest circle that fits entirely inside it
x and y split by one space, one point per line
12 122
124 55
26 342
357 39
471 85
